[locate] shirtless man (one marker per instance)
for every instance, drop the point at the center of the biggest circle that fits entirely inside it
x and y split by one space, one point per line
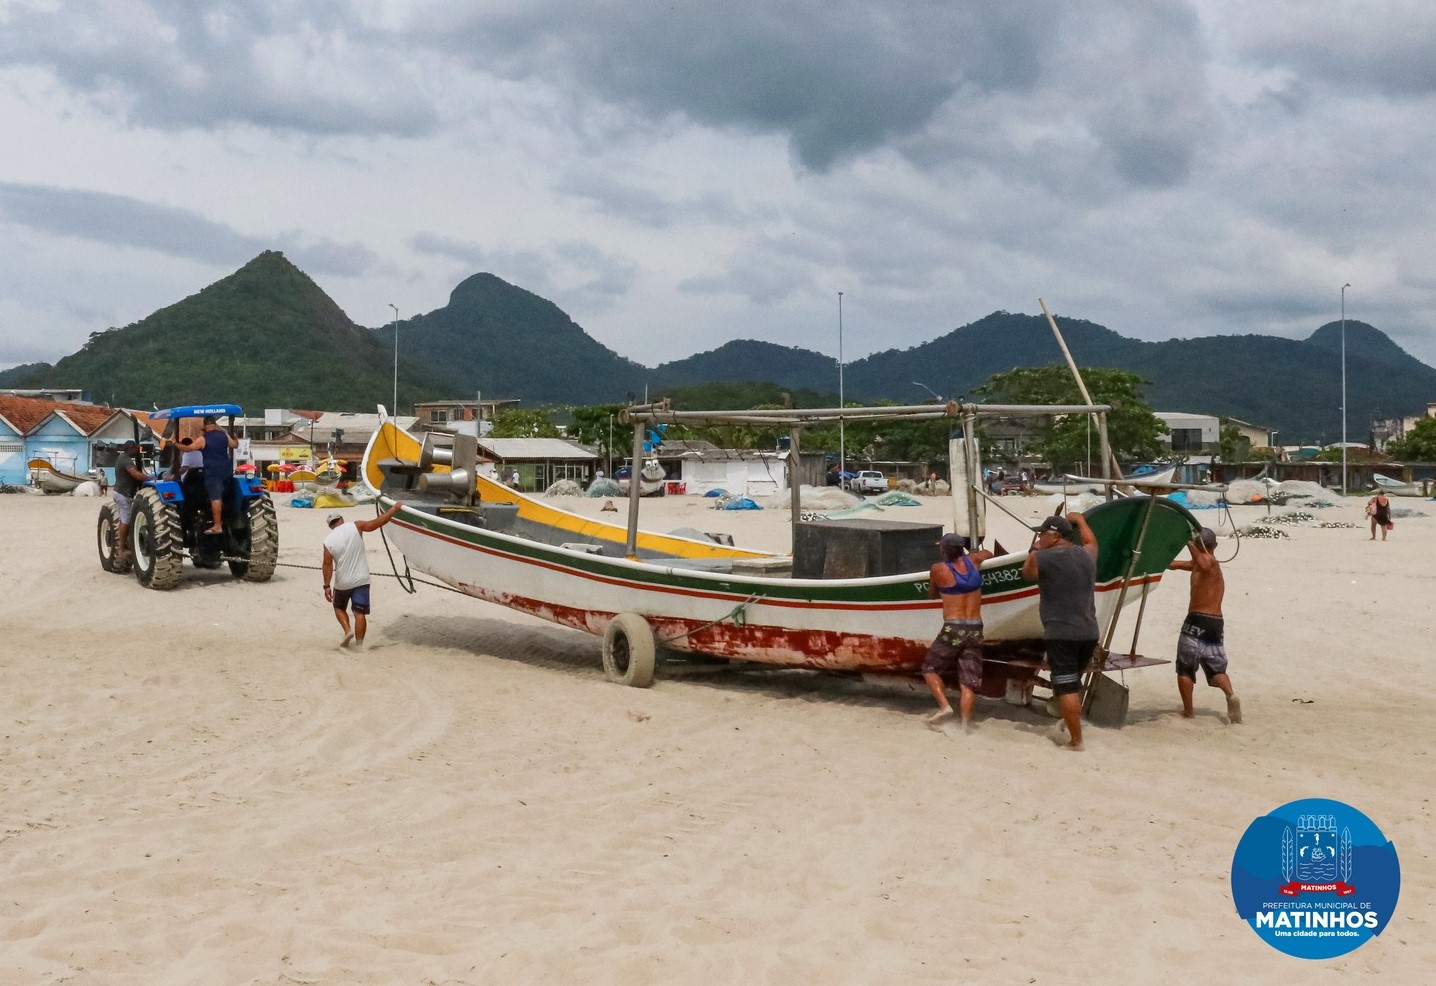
1201 642
958 647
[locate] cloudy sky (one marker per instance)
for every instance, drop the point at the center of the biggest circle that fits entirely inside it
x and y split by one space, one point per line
675 175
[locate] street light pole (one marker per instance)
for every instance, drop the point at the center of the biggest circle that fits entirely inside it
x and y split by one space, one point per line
842 438
396 359
1343 388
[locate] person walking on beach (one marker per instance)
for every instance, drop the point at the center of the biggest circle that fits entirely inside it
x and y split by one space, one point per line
958 647
1378 508
346 571
214 445
1200 642
1066 577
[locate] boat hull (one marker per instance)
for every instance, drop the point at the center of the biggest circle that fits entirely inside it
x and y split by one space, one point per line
51 480
864 625
700 597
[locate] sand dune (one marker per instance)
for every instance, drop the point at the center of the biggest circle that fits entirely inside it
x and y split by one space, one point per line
200 788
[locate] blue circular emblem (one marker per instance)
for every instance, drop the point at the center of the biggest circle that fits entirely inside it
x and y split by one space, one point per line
1315 878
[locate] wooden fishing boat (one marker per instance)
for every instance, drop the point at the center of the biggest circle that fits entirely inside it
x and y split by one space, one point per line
44 475
646 592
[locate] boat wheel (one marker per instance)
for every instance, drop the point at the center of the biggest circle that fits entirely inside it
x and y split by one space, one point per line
629 652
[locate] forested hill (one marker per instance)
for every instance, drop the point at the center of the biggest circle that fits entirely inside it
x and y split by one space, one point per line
265 336
497 339
268 336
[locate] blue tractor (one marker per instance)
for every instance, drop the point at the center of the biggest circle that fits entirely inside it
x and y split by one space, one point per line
170 515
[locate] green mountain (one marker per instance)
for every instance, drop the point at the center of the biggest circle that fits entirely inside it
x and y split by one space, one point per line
497 339
268 336
265 336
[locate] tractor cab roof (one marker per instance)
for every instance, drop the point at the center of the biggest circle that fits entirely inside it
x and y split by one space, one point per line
198 411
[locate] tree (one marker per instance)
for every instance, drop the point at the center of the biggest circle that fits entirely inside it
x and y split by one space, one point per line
517 422
1233 445
1063 440
1419 445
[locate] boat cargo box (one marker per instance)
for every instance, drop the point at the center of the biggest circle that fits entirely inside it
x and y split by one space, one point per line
857 549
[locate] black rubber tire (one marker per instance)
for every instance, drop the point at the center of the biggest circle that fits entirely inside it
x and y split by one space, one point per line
105 539
630 655
263 542
155 541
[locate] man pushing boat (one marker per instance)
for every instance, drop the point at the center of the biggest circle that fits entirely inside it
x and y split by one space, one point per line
958 647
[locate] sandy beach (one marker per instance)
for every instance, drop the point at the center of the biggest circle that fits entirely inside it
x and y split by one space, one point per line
199 787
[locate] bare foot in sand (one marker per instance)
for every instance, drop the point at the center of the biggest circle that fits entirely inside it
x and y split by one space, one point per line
940 719
1234 709
1059 735
344 644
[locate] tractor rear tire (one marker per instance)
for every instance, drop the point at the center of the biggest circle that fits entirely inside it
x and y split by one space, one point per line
629 651
156 542
263 538
106 539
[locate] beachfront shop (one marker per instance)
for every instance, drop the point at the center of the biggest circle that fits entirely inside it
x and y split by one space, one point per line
539 462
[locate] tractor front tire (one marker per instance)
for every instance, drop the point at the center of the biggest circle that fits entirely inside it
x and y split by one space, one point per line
106 539
157 544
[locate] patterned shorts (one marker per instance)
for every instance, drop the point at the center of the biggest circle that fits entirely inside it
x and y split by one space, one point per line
1200 645
958 648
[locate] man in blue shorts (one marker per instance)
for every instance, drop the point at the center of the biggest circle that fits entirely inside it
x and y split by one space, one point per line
214 445
346 571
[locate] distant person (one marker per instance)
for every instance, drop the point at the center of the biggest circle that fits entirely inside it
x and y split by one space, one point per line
1378 508
598 473
215 446
128 478
1066 577
1200 642
346 571
958 647
932 483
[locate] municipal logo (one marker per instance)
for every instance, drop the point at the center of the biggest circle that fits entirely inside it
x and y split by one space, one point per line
1315 878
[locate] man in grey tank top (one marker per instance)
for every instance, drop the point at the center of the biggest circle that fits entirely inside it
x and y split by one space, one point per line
1066 576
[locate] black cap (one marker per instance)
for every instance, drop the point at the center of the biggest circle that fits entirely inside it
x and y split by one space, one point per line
1061 525
951 541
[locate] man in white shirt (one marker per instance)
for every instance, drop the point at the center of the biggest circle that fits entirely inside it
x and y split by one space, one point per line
346 571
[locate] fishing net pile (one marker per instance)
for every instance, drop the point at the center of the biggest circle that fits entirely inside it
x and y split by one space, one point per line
604 487
565 487
1265 531
915 488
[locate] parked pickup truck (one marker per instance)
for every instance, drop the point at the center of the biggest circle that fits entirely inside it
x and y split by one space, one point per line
869 481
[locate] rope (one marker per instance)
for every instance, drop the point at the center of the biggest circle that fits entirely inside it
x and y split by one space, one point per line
738 614
392 565
380 575
1225 504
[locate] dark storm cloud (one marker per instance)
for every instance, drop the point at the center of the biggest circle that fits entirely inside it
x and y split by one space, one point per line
121 221
835 79
117 220
173 64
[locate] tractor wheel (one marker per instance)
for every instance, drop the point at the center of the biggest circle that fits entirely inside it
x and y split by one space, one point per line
629 652
260 542
155 541
105 537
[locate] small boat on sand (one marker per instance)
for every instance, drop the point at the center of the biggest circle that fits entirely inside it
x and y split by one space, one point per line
44 475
